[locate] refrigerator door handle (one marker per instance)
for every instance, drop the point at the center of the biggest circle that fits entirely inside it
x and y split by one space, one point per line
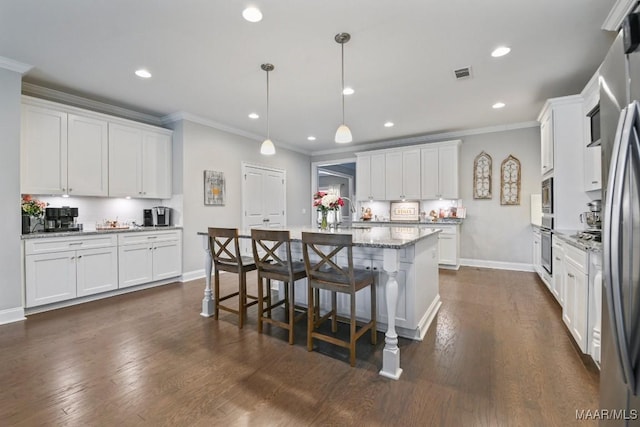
612 246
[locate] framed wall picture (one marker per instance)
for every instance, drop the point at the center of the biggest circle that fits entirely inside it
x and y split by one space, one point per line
482 176
214 188
510 181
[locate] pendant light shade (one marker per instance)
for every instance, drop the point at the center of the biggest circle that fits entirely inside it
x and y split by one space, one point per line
267 148
343 134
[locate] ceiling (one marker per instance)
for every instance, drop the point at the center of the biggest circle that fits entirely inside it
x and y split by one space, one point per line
205 60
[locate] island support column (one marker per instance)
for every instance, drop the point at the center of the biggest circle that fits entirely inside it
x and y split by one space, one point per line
207 301
391 353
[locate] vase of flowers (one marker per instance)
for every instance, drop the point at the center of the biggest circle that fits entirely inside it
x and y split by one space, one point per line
328 208
32 211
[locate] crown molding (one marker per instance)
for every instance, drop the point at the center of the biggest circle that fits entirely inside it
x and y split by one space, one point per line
617 13
194 118
436 137
89 104
11 65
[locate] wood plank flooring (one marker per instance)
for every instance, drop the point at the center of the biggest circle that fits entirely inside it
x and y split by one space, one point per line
497 354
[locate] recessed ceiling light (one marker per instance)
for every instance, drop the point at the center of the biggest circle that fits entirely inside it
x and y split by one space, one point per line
498 105
500 51
254 116
348 91
311 138
143 73
388 124
252 14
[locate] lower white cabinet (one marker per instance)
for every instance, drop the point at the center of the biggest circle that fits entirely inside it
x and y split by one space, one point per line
59 269
449 246
557 267
148 257
576 295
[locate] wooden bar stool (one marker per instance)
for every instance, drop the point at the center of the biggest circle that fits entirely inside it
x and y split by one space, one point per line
225 251
272 255
319 251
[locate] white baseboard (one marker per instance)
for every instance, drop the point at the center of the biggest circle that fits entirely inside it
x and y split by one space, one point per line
499 265
192 275
12 315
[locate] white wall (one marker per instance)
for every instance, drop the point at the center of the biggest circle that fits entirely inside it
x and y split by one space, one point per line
491 231
10 228
206 148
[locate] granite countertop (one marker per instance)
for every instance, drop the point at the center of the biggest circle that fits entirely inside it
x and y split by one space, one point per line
569 236
388 237
453 221
44 235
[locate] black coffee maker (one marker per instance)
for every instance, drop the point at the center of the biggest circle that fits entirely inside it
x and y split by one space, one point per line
61 219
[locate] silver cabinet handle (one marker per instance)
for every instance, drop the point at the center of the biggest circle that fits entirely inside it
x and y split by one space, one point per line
594 182
558 259
571 275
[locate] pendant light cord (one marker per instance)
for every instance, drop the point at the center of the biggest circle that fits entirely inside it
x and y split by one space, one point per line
342 49
268 127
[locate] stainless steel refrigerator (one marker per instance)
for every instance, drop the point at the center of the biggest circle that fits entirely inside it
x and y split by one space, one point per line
620 126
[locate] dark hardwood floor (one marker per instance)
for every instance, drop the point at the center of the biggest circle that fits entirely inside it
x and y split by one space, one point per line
497 354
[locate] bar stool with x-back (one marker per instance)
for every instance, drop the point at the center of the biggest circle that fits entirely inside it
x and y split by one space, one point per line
225 251
319 251
272 255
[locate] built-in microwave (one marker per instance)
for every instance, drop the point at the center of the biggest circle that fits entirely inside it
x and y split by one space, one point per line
547 196
594 126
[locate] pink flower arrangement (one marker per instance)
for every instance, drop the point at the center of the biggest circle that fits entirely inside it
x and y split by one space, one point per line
323 201
33 207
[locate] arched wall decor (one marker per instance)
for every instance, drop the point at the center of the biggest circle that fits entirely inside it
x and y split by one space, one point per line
482 176
510 172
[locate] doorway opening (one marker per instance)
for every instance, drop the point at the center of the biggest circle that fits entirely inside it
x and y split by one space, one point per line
336 177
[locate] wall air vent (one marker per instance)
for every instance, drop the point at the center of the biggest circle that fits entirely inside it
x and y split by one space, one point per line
462 73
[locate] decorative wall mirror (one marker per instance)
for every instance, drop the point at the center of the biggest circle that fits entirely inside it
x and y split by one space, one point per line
510 181
482 176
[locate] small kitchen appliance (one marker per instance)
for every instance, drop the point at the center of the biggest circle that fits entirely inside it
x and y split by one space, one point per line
61 219
161 216
593 218
147 218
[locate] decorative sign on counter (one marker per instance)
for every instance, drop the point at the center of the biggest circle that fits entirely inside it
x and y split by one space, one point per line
405 211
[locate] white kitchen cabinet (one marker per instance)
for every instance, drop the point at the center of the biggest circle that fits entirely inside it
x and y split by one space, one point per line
59 269
537 251
546 143
439 171
402 174
87 156
557 267
148 256
576 301
139 162
449 246
370 176
592 161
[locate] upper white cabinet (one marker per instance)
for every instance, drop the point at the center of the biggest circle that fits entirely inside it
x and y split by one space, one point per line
370 176
439 175
546 142
592 155
402 174
67 150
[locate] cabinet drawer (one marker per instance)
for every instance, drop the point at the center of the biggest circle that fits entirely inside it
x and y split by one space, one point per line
148 237
447 229
577 256
58 244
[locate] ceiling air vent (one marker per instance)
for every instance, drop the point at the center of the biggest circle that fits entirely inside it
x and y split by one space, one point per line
462 73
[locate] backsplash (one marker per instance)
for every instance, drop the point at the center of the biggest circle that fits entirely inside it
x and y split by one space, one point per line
381 210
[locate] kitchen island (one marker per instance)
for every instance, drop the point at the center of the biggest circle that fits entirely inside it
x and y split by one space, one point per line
406 260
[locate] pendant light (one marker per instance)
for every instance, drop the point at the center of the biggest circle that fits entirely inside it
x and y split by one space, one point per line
343 134
267 148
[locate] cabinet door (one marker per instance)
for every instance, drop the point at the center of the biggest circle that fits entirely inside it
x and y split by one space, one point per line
167 260
135 264
592 168
363 177
50 278
156 165
546 143
447 248
88 156
448 172
377 185
411 174
393 176
43 151
558 274
581 314
429 175
537 254
125 161
569 307
97 270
